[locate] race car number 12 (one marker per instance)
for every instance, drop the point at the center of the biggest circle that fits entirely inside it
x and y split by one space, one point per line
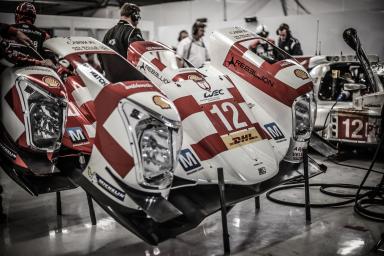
228 106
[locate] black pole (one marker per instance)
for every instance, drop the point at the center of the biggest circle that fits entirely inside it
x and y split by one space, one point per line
306 186
220 176
58 204
257 203
91 210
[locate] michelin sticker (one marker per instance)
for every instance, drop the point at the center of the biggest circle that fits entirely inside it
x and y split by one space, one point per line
189 161
77 135
109 188
275 132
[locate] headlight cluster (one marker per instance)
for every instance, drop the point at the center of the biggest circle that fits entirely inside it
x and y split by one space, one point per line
44 116
304 115
158 142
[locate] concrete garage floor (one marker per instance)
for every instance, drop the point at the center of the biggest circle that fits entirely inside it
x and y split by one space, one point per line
34 229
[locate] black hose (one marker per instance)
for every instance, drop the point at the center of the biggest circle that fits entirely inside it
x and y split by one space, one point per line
323 187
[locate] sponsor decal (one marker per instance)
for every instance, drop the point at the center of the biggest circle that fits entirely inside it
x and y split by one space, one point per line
99 78
297 153
262 170
200 82
152 71
77 136
241 34
301 74
51 81
372 105
109 188
154 48
275 131
248 69
161 102
240 138
90 173
195 77
211 96
8 151
135 86
189 161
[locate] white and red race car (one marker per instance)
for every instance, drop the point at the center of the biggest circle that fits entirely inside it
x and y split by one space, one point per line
349 102
148 151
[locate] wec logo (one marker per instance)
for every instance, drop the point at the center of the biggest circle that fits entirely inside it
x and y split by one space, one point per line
214 93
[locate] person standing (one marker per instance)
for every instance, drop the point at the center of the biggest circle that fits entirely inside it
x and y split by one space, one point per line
125 31
193 48
287 42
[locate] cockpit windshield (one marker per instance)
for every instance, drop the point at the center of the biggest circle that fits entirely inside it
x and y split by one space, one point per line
266 50
114 67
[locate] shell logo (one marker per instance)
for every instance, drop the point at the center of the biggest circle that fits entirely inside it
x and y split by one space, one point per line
161 102
51 81
301 74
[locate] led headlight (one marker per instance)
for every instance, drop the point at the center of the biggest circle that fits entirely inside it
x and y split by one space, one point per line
44 116
157 141
304 114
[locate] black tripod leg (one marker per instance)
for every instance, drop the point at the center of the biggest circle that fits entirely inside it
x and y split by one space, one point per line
58 203
3 217
257 203
220 176
306 187
91 210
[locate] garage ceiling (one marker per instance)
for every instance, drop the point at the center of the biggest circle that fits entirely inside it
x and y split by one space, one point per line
75 8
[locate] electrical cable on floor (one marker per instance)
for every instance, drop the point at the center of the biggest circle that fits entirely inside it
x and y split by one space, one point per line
375 196
361 203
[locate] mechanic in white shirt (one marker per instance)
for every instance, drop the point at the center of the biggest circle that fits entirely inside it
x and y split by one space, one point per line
193 48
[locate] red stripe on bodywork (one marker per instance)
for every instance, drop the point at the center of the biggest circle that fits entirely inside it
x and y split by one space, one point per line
158 64
13 100
209 147
187 106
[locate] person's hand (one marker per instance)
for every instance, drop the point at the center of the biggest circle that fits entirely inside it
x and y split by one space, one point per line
23 38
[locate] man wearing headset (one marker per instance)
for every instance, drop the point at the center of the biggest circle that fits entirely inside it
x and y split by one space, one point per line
193 48
287 42
125 32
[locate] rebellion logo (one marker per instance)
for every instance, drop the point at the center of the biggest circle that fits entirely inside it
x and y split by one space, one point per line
231 63
240 138
156 74
301 74
51 81
161 102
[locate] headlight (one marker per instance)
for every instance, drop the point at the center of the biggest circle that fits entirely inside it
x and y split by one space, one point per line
44 116
304 115
157 143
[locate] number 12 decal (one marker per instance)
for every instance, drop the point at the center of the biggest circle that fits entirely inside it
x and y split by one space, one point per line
228 107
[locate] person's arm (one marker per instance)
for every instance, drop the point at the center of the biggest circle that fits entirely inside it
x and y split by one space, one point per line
7 30
296 49
135 36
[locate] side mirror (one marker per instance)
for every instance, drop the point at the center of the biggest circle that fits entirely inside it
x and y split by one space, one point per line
354 87
350 37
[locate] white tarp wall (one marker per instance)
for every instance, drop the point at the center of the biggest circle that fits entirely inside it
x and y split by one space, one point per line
331 26
334 16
